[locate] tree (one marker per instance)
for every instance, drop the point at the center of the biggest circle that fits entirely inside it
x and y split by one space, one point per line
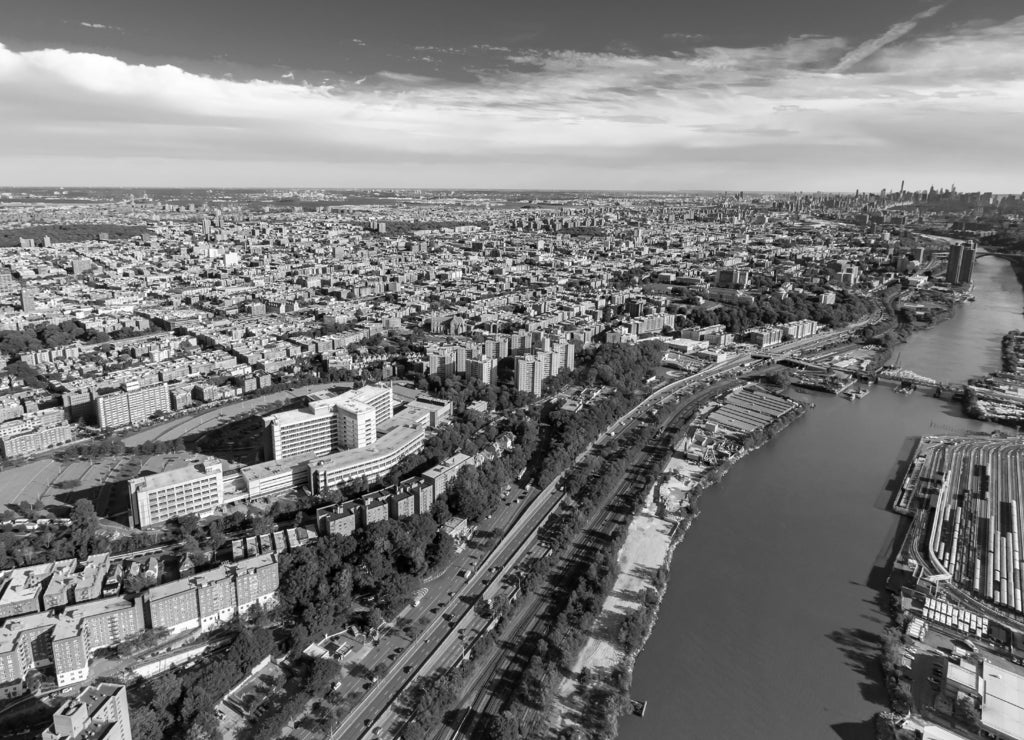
967 712
503 727
473 496
83 527
441 551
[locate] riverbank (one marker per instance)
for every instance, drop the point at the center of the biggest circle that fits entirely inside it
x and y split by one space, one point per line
904 329
791 556
602 673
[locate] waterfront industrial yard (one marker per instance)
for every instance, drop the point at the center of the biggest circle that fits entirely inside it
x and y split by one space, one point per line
971 489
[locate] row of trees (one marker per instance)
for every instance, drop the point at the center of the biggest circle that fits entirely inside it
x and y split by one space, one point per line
580 594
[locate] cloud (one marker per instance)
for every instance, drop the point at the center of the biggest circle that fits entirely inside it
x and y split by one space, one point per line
895 33
100 26
937 108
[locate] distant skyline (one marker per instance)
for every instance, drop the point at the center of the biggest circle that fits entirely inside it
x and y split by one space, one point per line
794 95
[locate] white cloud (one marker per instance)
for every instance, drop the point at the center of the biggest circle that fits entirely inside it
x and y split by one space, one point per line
945 107
100 26
894 34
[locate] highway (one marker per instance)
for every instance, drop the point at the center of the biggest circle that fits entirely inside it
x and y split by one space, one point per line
487 691
445 639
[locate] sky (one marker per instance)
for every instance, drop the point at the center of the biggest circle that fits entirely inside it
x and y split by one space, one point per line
691 94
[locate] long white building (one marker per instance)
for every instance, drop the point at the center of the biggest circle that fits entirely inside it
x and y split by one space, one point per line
329 423
372 462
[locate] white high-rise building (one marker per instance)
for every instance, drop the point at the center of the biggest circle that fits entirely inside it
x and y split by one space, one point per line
530 375
317 430
357 424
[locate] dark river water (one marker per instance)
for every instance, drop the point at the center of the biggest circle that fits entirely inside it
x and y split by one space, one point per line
769 627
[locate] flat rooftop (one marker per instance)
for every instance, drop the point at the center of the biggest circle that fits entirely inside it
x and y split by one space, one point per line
198 469
1002 708
271 468
395 439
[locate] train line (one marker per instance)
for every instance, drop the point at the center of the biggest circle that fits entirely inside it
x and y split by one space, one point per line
490 688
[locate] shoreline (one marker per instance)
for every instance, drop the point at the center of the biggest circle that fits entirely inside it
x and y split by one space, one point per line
620 700
616 679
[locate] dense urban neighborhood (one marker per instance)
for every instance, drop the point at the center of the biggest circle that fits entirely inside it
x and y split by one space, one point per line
340 464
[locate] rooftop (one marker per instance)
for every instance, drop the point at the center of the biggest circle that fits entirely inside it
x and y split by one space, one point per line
385 445
199 469
1002 707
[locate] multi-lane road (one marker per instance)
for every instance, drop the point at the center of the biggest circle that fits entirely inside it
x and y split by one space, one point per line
453 629
489 687
454 622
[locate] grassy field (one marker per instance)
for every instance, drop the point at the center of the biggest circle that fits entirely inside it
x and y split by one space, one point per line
59 485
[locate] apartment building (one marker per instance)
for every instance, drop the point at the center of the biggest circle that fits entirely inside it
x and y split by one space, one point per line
530 375
208 599
439 476
63 644
766 336
99 712
126 407
85 628
28 442
484 369
23 587
799 329
32 432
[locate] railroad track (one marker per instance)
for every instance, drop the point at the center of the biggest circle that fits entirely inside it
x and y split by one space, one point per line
491 687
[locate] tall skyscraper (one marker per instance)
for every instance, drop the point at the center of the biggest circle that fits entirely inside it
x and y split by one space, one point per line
960 267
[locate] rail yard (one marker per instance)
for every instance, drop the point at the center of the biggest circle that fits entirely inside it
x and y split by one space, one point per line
972 489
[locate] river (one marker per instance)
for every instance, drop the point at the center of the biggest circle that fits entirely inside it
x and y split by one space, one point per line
770 624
